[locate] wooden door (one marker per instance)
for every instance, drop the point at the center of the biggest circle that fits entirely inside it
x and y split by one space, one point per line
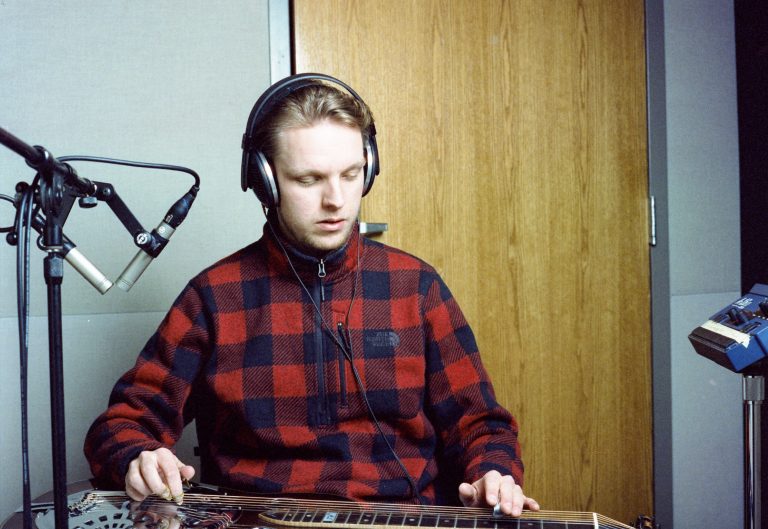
512 136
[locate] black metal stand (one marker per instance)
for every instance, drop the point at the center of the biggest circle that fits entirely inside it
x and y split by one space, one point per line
54 273
59 186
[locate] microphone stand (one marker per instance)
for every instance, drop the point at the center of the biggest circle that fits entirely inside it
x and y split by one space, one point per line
54 275
735 338
753 393
59 186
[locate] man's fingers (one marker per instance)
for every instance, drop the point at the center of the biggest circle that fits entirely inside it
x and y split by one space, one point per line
135 486
490 485
499 492
513 499
157 472
468 495
135 493
187 471
169 470
511 496
532 504
484 491
149 467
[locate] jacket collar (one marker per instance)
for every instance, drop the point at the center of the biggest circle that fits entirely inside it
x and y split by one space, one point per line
336 263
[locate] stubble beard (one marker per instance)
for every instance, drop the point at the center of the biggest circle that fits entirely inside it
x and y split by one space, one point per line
316 244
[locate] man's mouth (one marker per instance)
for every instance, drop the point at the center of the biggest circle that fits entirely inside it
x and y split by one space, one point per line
331 224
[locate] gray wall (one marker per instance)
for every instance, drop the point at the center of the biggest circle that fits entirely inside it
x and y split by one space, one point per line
170 82
696 267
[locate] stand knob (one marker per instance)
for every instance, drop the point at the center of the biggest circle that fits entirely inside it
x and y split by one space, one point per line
88 202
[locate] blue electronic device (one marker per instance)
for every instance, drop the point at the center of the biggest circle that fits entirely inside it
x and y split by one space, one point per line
737 336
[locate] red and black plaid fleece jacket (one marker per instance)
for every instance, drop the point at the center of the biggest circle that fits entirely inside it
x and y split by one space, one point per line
245 353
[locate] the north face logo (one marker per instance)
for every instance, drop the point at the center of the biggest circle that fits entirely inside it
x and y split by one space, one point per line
382 339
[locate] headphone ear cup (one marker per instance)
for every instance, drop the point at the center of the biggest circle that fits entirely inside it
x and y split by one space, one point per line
371 164
262 179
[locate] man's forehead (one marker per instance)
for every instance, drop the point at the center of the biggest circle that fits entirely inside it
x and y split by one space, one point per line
321 127
322 142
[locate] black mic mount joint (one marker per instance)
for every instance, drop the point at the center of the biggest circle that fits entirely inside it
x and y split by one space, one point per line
152 243
58 180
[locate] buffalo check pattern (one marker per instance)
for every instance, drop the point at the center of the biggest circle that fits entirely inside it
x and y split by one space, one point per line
255 357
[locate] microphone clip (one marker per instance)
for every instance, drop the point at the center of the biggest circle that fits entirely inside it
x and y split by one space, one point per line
152 242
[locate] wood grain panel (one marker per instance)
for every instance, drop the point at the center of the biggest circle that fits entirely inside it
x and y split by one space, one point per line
512 138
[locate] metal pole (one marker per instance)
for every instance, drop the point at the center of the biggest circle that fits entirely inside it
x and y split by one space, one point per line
754 393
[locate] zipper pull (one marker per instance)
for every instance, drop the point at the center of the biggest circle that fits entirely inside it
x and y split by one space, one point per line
345 339
321 275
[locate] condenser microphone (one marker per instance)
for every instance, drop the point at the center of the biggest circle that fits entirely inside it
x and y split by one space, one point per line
77 260
86 268
151 244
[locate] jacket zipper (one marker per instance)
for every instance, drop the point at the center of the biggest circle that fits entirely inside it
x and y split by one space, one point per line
321 275
322 394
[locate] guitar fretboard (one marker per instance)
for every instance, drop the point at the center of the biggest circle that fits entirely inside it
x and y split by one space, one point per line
397 519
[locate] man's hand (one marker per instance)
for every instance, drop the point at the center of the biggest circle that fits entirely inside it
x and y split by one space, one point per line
493 489
157 472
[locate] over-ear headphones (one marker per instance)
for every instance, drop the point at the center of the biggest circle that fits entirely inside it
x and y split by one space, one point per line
256 171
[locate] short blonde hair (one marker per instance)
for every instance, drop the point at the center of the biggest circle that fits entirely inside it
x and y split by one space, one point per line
308 106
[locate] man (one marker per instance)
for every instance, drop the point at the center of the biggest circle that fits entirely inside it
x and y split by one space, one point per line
313 360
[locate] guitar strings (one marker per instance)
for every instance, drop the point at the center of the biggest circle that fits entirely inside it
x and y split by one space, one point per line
338 506
287 503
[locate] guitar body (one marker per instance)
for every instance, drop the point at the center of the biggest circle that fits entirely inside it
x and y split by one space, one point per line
209 508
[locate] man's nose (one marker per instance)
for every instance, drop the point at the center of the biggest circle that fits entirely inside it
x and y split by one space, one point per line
332 194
